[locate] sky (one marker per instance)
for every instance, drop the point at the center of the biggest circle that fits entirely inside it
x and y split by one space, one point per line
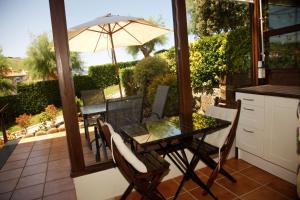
21 21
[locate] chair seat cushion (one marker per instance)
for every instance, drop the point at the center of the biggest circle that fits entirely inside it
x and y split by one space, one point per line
127 153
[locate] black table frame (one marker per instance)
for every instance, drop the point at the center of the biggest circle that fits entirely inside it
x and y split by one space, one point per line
89 111
180 160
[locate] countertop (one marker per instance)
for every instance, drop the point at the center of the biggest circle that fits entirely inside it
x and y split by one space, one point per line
273 90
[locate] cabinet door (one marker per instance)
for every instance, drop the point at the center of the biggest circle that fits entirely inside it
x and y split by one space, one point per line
281 131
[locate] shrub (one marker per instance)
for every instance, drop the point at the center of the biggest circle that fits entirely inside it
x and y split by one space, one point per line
147 69
103 75
83 82
172 104
51 112
24 121
44 117
35 97
169 56
207 61
128 81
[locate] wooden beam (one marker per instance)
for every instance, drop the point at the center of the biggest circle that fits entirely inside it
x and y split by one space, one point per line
66 86
255 40
283 30
183 66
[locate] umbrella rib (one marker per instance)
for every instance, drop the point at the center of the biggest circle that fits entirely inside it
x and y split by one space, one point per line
121 27
78 33
97 42
129 33
152 25
98 31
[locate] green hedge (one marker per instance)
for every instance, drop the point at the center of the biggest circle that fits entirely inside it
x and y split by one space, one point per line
82 82
127 80
105 75
13 109
36 96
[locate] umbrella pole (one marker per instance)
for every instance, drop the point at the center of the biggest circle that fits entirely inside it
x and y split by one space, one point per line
114 60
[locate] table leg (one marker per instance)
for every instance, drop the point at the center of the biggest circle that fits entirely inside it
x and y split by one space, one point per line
86 131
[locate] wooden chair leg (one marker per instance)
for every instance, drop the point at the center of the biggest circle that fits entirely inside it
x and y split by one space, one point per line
127 191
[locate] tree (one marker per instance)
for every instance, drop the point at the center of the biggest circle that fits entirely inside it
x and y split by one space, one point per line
148 47
41 58
6 86
216 16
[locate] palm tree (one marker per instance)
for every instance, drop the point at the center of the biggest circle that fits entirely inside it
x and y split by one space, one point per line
6 86
41 59
148 47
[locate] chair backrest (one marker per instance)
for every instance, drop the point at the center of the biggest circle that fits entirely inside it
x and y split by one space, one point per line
124 111
228 113
126 169
159 102
92 97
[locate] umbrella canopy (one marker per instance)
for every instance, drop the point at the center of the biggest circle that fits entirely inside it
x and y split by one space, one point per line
110 32
98 34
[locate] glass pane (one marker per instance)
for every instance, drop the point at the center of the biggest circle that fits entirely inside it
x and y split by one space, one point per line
284 51
282 15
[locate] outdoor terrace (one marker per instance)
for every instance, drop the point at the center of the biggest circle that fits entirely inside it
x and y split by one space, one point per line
39 168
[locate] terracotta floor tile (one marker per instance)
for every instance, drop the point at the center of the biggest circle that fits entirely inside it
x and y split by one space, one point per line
284 188
185 196
41 146
22 149
59 164
28 193
168 188
67 195
10 174
58 186
58 156
242 186
220 192
237 164
13 165
132 196
31 180
43 152
34 169
18 156
207 172
263 193
189 185
57 174
7 186
5 196
37 160
259 175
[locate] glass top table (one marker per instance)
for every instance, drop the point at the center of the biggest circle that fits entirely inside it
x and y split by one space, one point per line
153 132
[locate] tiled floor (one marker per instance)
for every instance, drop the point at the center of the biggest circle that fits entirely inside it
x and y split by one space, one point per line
252 184
39 169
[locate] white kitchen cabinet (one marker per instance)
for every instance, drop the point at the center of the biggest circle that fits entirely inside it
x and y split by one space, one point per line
281 131
268 128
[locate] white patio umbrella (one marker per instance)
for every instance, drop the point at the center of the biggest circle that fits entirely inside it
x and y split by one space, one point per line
110 32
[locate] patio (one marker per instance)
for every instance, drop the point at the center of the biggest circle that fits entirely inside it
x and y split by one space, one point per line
39 168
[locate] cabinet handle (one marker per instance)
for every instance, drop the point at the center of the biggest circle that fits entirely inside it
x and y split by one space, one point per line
246 99
250 109
248 131
298 110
